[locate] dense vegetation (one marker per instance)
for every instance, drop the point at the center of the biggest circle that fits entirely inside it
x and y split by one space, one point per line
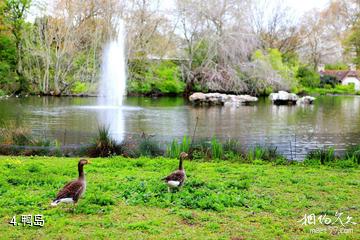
125 199
190 49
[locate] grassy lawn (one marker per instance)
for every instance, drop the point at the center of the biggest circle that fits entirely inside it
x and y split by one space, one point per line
125 199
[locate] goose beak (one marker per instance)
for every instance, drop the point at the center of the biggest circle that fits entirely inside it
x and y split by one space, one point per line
88 162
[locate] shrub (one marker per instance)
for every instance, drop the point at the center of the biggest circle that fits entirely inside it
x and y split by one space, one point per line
308 77
79 87
155 77
328 80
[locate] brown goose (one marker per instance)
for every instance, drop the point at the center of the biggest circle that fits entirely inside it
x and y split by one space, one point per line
178 177
72 191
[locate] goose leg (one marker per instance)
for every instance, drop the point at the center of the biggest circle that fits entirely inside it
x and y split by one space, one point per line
169 189
74 207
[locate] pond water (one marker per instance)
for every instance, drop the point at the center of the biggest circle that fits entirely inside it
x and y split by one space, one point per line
294 130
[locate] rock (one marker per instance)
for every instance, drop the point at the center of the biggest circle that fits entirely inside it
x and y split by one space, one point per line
221 99
283 98
198 96
306 100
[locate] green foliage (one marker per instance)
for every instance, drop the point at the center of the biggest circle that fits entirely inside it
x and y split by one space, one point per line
337 66
200 53
321 156
352 43
175 148
15 14
353 154
7 61
328 80
80 87
149 147
155 77
286 69
308 77
216 149
268 154
338 89
103 144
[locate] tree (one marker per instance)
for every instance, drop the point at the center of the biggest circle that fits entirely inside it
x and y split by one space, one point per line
15 12
352 43
275 27
65 48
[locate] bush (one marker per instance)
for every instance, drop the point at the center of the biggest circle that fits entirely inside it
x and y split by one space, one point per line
328 80
308 77
155 77
79 87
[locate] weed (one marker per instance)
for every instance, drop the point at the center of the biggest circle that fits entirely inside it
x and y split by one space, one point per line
175 148
216 149
149 147
321 156
104 145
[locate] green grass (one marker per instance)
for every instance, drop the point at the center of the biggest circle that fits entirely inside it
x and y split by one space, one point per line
125 199
338 89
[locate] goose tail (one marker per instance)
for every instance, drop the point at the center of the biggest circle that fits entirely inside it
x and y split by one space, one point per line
55 202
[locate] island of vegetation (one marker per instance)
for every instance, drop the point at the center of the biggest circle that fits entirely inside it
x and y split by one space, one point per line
53 53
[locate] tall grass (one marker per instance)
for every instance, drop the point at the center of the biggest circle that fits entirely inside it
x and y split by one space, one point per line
149 147
13 134
321 156
268 154
217 150
353 153
103 144
174 149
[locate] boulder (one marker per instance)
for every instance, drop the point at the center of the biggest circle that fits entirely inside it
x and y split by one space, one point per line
221 99
198 96
306 100
283 98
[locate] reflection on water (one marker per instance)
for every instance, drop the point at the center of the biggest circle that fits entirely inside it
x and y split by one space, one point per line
332 120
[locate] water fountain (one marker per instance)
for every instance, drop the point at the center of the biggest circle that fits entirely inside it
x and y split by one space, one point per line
113 84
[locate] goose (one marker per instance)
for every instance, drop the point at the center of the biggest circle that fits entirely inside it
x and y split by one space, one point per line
177 178
72 191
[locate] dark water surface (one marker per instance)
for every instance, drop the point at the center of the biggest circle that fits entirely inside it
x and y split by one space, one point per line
331 121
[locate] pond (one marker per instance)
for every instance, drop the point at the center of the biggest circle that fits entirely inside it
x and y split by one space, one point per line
294 130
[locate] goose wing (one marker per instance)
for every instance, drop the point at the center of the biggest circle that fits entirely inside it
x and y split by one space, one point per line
71 190
178 175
